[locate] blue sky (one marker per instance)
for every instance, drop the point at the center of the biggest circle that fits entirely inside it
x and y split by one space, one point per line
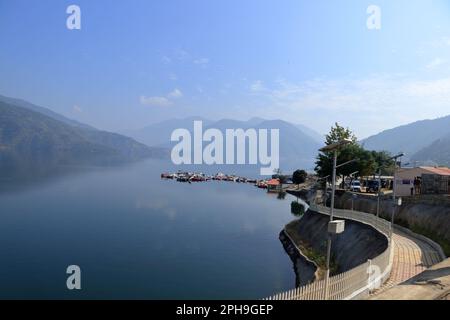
137 62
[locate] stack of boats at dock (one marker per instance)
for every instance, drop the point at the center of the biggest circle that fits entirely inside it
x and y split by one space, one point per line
201 177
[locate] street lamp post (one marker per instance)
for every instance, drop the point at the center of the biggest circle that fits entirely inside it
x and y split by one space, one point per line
395 168
354 196
379 181
352 175
333 184
393 190
379 192
333 190
397 202
334 148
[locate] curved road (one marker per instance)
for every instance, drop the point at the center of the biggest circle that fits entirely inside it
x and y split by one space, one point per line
411 257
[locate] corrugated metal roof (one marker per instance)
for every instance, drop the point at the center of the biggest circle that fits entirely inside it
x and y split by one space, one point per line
443 171
273 182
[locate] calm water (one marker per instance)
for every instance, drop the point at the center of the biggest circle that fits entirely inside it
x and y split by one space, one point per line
136 236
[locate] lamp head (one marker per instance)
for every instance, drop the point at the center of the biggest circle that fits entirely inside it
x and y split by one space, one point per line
336 145
398 156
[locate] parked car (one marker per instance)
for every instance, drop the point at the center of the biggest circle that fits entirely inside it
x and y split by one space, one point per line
355 186
372 186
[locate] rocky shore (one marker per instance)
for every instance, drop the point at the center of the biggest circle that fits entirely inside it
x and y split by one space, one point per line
358 243
305 269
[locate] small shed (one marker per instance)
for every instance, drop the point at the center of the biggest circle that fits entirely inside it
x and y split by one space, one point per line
435 184
274 185
422 180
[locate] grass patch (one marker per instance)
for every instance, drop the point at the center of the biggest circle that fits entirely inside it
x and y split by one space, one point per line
318 257
297 209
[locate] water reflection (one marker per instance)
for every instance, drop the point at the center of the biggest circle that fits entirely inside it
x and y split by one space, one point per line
297 209
281 195
21 173
156 239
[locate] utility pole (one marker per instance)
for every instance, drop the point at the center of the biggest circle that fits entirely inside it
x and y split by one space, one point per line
333 190
334 148
379 192
393 190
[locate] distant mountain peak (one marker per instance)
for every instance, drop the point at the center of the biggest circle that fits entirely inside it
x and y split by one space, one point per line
43 110
297 148
29 132
409 138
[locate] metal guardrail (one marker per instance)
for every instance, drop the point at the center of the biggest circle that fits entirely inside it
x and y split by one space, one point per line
357 282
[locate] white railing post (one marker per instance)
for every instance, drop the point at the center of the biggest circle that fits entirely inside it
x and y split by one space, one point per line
352 278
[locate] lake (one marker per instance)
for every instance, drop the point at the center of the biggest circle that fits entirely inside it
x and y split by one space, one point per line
136 236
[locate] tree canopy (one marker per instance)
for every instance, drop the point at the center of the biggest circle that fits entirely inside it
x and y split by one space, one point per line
299 176
369 161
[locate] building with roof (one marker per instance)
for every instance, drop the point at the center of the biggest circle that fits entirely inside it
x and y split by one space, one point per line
274 185
422 180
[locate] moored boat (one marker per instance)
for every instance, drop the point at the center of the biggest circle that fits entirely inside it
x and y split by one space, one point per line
183 178
261 184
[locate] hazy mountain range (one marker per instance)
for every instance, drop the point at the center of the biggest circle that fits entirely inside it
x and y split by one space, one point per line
158 134
426 141
45 111
438 152
29 133
298 144
422 142
33 133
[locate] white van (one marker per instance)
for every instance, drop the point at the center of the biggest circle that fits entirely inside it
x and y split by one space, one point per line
355 186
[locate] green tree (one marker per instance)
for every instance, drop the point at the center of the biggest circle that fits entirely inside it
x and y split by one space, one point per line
338 133
324 163
278 174
368 163
297 209
281 195
299 176
384 162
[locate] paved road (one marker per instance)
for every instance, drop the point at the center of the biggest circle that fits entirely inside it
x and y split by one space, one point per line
411 257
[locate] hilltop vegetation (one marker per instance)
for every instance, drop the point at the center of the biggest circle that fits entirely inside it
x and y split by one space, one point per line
27 135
